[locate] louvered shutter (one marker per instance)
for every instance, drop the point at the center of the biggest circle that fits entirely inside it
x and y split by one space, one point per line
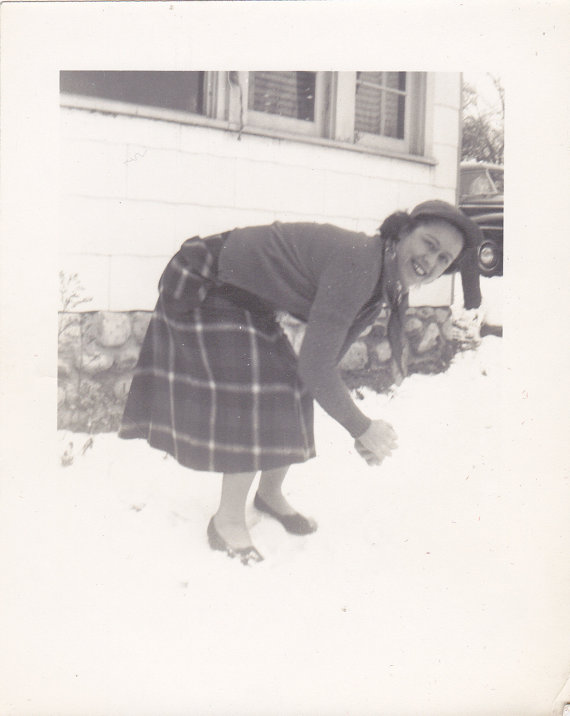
286 94
380 104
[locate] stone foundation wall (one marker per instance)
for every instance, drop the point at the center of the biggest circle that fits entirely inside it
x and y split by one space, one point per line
368 362
97 354
99 350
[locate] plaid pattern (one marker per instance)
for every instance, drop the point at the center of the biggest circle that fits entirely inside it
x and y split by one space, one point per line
190 274
216 385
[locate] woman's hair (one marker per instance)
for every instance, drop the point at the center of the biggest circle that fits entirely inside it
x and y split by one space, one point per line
401 222
392 225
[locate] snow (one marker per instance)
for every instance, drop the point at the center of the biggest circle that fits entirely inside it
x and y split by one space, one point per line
492 300
491 309
413 596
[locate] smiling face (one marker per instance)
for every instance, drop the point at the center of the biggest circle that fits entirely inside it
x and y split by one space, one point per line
424 253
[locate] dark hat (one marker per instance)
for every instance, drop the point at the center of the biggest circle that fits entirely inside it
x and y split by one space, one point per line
442 210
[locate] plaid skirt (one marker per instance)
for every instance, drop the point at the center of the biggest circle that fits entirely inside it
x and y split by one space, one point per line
216 386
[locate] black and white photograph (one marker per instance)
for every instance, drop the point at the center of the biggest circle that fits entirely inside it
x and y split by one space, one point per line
284 359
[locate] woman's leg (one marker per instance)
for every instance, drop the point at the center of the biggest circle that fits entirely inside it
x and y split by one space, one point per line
273 502
270 490
229 520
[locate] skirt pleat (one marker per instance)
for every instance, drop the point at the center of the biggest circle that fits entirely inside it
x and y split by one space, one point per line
217 387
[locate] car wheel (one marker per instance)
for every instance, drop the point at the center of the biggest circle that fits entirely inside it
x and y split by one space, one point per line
490 258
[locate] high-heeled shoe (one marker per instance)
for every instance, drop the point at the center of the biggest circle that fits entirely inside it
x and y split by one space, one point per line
217 542
296 523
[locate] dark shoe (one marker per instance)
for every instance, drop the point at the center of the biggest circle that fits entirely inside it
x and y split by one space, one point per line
489 330
217 542
296 523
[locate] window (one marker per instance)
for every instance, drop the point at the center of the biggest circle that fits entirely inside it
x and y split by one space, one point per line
287 94
374 111
286 101
183 91
380 103
382 112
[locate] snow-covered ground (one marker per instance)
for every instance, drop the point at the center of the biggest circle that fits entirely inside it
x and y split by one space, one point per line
492 299
424 591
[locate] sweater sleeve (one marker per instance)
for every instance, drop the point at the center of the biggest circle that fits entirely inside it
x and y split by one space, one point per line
344 287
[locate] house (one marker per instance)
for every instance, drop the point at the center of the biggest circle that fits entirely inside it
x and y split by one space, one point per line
152 158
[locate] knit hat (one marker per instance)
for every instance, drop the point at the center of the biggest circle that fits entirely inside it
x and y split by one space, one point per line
442 210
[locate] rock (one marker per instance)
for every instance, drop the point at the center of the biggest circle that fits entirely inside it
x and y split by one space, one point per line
82 391
141 319
69 326
94 361
442 314
425 312
69 333
127 359
383 351
284 318
397 376
113 329
60 396
295 334
413 325
356 357
447 330
293 329
122 387
378 332
64 368
90 328
429 340
71 392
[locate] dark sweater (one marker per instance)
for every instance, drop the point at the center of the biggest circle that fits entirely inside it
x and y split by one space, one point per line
326 276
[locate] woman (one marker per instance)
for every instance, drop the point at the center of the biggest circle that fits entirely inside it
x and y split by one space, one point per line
218 385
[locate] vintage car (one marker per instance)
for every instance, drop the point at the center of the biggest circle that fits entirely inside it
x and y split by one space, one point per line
481 197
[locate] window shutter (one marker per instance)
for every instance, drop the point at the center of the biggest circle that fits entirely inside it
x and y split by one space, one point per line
381 103
287 94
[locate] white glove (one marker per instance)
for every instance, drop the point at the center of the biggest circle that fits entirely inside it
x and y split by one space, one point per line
377 442
467 324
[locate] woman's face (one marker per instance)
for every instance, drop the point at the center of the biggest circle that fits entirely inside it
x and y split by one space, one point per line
424 253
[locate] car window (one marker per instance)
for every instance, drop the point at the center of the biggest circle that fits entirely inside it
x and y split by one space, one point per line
477 182
498 178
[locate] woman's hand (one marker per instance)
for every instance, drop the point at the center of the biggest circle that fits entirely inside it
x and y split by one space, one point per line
377 442
370 458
